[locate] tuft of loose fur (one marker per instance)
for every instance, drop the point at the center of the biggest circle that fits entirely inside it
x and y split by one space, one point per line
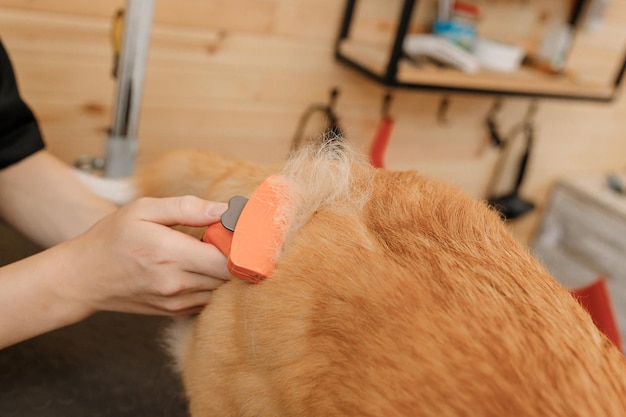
394 295
323 176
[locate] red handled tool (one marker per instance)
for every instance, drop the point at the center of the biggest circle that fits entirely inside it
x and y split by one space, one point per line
377 157
251 231
383 134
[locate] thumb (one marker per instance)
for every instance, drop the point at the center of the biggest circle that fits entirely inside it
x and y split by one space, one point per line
178 211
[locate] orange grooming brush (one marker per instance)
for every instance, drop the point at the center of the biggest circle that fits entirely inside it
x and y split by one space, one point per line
251 232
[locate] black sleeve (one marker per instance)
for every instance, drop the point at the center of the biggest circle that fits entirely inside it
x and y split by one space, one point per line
19 131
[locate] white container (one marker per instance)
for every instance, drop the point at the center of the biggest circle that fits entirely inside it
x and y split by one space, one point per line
555 45
498 56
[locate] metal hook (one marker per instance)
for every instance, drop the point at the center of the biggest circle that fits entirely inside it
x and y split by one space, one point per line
332 130
531 111
492 125
495 107
442 110
334 93
526 122
386 104
496 137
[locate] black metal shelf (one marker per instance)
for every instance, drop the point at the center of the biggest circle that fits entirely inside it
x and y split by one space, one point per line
391 69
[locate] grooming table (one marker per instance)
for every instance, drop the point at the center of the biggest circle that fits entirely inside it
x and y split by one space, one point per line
109 365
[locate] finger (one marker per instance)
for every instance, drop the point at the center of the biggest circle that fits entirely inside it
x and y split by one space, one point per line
187 283
200 258
173 211
150 309
189 311
184 304
146 307
156 305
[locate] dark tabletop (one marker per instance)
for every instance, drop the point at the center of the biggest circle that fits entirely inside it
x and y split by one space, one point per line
111 364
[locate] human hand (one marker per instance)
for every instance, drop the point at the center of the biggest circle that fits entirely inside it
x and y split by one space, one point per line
132 261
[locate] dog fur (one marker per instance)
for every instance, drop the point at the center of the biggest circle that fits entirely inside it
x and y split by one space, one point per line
394 295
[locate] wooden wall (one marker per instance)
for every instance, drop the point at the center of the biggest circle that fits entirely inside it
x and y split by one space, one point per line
236 75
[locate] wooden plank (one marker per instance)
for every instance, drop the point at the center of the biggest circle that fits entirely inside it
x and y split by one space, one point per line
522 81
77 8
216 14
308 20
292 18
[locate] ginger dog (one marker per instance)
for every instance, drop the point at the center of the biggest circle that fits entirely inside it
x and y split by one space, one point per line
393 295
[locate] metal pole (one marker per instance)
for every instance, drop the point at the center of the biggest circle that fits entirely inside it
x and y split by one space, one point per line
122 141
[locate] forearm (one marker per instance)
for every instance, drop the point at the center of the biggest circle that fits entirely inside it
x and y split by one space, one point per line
36 295
130 261
42 198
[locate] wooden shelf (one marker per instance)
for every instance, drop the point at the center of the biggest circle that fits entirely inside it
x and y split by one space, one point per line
527 82
386 64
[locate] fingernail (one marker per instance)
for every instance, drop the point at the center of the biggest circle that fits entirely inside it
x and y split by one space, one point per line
216 208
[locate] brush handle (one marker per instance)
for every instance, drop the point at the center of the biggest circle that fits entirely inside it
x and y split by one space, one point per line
219 236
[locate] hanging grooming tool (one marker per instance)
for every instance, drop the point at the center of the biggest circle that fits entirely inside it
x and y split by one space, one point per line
251 232
331 130
510 204
383 135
